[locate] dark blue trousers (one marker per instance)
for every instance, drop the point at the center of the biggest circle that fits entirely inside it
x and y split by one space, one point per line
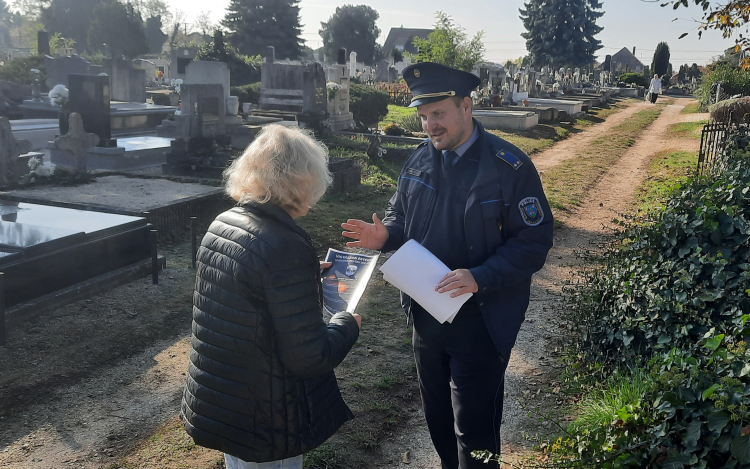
461 379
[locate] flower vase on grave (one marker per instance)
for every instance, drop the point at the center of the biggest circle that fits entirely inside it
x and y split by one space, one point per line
63 122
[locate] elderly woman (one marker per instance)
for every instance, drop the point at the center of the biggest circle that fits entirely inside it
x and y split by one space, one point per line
260 386
654 89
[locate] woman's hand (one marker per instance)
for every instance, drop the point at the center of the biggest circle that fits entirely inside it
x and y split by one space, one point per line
324 265
358 318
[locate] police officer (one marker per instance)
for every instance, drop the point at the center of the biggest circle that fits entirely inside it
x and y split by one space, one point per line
476 202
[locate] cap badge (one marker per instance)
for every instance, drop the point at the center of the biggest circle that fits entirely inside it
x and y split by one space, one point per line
416 72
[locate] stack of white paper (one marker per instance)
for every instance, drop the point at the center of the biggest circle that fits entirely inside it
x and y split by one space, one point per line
416 271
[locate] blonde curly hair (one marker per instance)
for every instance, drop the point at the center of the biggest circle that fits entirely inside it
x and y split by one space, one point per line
284 166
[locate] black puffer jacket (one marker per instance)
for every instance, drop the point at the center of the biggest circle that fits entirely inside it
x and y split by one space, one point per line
261 385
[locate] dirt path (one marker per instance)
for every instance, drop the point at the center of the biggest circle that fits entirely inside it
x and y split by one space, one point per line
530 379
80 411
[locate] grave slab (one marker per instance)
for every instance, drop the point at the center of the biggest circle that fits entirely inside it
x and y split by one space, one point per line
131 153
507 120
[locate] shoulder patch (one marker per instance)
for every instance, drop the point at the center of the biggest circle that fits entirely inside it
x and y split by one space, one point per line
531 211
510 158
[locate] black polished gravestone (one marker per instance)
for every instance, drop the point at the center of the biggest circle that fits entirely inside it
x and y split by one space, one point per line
89 97
44 249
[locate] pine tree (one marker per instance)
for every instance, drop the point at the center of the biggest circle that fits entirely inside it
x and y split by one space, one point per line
660 65
254 25
561 32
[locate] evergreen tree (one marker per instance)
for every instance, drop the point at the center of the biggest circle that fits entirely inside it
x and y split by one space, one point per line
254 25
71 18
352 27
561 32
694 71
119 26
660 63
155 36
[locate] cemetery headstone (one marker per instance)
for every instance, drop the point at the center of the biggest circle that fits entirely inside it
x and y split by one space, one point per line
11 166
126 83
352 64
59 69
381 71
299 89
89 97
42 45
77 141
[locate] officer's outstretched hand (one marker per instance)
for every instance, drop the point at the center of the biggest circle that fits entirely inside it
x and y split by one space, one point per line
368 235
459 280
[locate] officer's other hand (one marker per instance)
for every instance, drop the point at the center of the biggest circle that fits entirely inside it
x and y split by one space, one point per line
358 318
459 281
368 235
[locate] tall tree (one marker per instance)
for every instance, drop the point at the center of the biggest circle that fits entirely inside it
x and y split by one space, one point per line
448 44
253 25
154 34
352 27
694 71
204 24
71 18
660 64
561 32
120 27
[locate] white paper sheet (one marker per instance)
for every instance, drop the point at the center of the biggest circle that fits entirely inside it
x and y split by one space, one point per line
416 271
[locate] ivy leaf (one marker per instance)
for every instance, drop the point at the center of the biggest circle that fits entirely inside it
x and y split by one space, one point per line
741 449
718 420
714 342
693 433
709 392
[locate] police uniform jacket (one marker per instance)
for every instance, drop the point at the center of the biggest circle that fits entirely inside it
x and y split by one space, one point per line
507 225
260 384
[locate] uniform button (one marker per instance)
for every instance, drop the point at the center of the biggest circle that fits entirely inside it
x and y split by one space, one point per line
484 289
471 247
481 304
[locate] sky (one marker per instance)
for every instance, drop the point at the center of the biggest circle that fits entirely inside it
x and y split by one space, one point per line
627 23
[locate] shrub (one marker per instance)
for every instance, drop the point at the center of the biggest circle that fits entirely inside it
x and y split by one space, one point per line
368 105
733 82
666 283
161 99
18 70
731 110
247 93
637 79
243 69
412 122
392 129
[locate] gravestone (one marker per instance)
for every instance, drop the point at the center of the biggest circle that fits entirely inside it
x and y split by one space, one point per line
42 42
352 64
12 167
200 72
126 83
381 71
77 142
59 69
89 97
340 118
299 89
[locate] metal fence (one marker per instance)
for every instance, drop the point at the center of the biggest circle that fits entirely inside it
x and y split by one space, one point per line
398 93
713 140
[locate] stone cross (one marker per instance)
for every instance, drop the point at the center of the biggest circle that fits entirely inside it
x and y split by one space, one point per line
77 142
10 150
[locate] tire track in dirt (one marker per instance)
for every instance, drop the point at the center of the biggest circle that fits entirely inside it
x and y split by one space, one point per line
530 379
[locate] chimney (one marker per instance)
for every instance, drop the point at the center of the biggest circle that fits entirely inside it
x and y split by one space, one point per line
634 51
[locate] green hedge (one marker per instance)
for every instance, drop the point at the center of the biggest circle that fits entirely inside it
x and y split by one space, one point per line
247 93
368 105
669 302
243 69
18 70
636 78
733 82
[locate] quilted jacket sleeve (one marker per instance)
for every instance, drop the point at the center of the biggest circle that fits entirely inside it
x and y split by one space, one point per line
307 346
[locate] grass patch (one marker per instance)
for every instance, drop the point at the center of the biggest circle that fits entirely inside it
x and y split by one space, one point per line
686 129
665 170
535 140
566 183
396 114
692 108
322 457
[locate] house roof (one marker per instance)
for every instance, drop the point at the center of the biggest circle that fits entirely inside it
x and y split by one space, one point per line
625 57
404 37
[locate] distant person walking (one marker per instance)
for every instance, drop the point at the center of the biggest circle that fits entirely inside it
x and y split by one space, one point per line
654 89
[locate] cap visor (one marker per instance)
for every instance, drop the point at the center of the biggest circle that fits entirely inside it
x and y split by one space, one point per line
422 101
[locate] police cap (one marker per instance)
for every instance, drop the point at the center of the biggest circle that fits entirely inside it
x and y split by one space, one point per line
430 82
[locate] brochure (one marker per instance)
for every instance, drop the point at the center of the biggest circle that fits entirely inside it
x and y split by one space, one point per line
416 271
345 281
